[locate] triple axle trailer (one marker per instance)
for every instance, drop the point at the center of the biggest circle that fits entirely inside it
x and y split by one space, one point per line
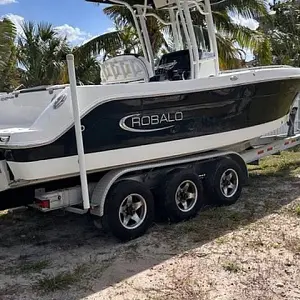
124 200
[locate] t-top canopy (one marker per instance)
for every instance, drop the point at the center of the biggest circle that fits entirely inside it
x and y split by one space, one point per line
130 2
156 4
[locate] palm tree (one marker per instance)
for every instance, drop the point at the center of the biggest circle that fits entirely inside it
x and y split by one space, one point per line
122 17
42 54
228 33
103 44
8 70
7 36
123 40
87 67
238 34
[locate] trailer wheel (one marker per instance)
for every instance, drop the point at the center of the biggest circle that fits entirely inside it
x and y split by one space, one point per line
182 195
224 185
128 210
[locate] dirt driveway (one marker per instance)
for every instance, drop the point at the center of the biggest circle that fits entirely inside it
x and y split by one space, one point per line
250 250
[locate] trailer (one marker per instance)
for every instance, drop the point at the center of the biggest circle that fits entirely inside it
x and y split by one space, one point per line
124 200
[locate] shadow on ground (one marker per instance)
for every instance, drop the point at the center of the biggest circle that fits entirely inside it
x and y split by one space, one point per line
60 255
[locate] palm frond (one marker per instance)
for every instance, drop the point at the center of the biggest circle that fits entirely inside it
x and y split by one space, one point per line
120 14
105 42
245 8
42 53
7 36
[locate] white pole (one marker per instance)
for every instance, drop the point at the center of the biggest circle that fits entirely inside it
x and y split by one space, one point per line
79 141
137 27
212 34
174 29
187 37
192 37
146 37
179 29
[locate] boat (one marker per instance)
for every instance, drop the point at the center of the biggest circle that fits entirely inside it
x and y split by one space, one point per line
144 112
22 107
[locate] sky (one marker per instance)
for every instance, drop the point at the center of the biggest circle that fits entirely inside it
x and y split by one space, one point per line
79 20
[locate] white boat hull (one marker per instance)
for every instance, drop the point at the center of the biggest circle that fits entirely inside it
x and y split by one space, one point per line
68 166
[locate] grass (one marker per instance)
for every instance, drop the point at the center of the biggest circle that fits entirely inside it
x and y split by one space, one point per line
62 280
297 210
287 163
131 251
27 267
256 243
293 209
210 223
231 267
260 200
8 291
178 288
222 240
34 267
5 215
292 244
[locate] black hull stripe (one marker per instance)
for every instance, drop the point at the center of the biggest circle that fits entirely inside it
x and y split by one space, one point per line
184 116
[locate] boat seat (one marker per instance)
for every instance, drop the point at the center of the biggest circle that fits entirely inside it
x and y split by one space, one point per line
174 66
126 68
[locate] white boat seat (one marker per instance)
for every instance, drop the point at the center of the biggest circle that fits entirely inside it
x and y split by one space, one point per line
125 69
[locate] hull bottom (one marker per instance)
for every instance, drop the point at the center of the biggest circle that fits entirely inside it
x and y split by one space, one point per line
68 166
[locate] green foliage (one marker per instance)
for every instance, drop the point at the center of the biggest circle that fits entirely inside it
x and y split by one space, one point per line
107 42
8 60
229 33
235 34
87 67
42 54
282 27
7 36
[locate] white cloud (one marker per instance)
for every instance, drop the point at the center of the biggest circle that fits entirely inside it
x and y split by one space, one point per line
4 2
74 34
250 23
109 29
249 55
90 37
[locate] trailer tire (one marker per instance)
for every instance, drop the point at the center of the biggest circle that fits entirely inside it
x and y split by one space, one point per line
174 193
226 172
128 210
